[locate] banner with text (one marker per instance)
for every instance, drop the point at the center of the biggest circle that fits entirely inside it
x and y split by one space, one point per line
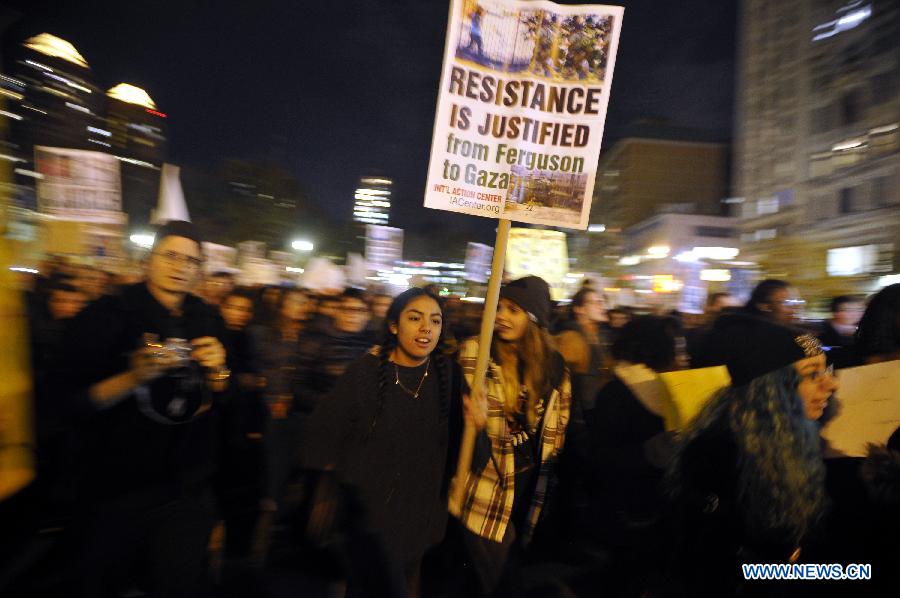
78 185
521 109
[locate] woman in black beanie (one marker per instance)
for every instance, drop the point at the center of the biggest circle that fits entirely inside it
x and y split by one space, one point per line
747 481
528 399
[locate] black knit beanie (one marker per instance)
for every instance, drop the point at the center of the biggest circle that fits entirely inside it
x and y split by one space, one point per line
751 346
532 294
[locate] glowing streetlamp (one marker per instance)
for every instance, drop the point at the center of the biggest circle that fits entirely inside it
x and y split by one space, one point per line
302 245
143 240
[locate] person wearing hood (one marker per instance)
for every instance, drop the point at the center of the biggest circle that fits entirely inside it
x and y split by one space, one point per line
520 437
747 481
629 447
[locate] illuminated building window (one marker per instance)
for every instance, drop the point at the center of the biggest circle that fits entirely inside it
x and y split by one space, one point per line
372 203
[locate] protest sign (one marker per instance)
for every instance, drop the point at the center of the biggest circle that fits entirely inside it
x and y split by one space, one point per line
78 185
521 108
384 246
522 104
689 391
219 258
868 409
536 252
478 262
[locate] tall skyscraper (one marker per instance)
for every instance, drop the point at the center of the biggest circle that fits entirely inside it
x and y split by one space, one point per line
372 203
60 104
135 130
135 125
817 149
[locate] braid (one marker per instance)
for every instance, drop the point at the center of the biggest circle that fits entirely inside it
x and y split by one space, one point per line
384 359
440 365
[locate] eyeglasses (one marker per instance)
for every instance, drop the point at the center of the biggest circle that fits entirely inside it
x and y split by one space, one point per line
819 375
355 310
173 257
792 302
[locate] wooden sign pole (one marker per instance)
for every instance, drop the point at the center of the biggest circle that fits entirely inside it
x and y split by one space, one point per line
467 446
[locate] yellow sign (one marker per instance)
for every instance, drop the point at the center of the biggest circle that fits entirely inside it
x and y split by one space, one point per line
690 391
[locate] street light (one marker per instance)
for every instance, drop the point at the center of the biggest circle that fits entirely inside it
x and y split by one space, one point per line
144 240
302 245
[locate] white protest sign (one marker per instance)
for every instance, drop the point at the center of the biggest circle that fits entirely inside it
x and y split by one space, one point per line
522 104
478 262
78 184
384 246
868 409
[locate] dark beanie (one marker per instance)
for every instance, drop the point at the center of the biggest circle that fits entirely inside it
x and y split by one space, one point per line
531 294
751 346
177 228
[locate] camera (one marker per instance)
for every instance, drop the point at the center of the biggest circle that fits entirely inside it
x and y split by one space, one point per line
179 348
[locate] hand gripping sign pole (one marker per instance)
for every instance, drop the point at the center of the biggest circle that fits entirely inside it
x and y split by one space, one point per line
519 120
467 446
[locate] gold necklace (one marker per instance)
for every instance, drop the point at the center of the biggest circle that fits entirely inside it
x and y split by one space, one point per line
414 395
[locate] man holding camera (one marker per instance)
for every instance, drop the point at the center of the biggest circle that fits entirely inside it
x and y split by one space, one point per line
141 373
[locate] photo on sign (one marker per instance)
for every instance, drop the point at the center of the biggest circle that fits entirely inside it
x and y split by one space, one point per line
78 184
494 36
546 194
543 43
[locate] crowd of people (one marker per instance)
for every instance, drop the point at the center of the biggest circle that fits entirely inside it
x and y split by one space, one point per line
194 438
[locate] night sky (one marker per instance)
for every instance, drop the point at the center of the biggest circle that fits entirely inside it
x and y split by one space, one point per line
336 88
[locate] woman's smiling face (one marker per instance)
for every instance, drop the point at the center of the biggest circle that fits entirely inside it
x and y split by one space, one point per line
512 321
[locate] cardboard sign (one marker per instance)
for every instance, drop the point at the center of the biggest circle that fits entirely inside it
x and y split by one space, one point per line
868 409
690 391
521 109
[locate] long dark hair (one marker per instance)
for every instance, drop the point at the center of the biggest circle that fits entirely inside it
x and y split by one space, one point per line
781 474
879 329
390 342
763 294
649 340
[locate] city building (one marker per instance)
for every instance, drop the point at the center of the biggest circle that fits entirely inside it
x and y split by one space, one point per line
651 167
372 200
135 130
676 259
817 149
50 99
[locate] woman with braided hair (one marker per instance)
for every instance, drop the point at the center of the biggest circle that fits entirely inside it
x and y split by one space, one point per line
386 429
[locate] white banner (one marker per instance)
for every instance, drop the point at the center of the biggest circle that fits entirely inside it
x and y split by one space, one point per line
384 246
522 104
868 409
478 262
78 184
